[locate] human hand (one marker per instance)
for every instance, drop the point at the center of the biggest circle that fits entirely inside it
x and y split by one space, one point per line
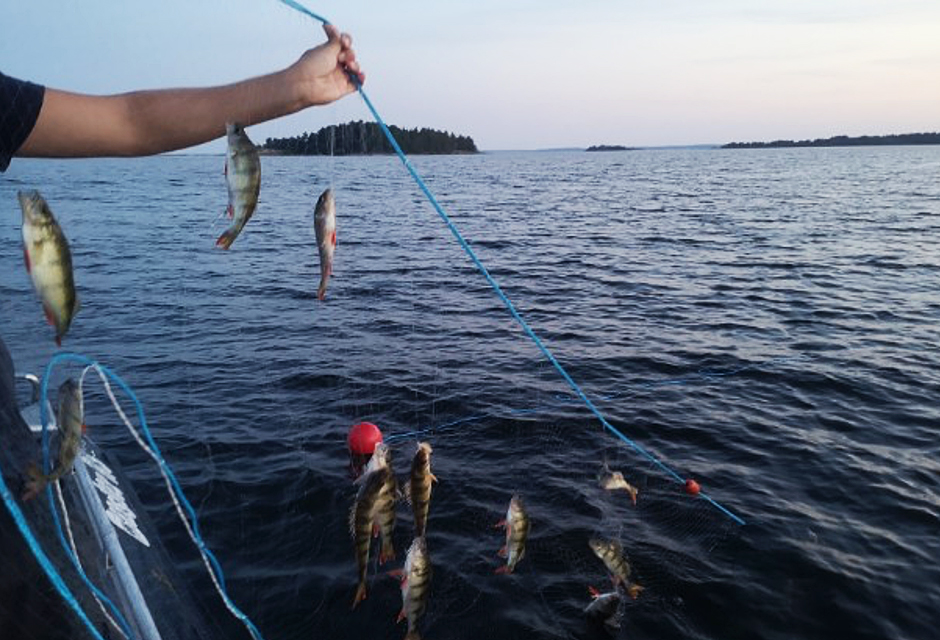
322 73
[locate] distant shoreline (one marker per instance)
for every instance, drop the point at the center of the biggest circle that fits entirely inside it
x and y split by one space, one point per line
843 141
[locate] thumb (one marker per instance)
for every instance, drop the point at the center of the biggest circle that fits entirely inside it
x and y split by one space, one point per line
332 33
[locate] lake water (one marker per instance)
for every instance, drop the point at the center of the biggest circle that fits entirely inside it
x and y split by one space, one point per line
765 321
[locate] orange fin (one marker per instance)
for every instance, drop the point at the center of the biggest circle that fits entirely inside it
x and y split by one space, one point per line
333 239
35 484
386 555
360 594
26 259
503 569
502 553
33 489
401 616
226 239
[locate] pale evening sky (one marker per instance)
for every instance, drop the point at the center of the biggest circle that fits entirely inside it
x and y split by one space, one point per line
525 74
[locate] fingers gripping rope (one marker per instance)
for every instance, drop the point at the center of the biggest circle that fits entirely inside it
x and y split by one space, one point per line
496 288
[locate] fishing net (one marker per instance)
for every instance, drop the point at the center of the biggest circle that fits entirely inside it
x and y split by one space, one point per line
412 339
252 383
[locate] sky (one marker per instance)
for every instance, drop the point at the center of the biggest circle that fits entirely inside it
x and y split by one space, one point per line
524 74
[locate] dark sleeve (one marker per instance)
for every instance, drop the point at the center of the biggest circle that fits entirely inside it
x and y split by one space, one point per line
20 103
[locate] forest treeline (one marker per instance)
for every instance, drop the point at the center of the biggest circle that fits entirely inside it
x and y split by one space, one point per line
843 141
610 147
366 138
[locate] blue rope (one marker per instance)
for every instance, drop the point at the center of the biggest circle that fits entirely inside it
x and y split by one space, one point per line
177 489
701 375
448 426
499 292
296 6
122 622
46 466
43 559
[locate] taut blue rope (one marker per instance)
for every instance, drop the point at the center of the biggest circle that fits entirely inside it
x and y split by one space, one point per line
296 6
40 555
499 292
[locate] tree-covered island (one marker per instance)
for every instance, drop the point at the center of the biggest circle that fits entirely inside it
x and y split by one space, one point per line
843 141
366 138
610 147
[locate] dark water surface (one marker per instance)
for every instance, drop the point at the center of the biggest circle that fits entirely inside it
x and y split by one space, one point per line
767 321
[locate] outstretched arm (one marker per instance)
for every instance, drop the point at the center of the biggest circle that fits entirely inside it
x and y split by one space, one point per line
149 122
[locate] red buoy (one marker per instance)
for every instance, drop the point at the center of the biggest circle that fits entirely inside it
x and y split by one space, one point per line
691 487
362 438
361 442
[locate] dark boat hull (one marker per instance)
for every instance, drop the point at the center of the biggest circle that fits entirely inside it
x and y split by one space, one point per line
106 521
